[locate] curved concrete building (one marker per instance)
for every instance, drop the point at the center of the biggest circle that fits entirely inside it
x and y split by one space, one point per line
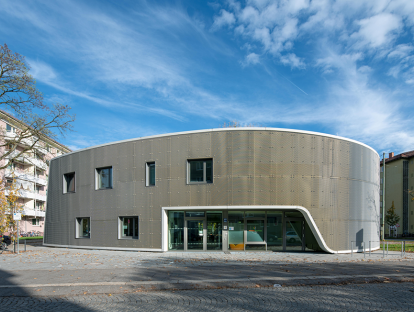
220 189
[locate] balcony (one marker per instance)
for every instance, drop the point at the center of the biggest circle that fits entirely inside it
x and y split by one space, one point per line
25 176
10 136
30 212
28 195
28 160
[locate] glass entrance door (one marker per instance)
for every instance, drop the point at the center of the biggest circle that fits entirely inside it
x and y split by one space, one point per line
294 234
196 237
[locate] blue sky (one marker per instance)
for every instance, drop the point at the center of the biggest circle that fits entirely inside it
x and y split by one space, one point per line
136 68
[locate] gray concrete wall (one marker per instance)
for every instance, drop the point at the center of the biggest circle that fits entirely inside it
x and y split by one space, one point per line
336 179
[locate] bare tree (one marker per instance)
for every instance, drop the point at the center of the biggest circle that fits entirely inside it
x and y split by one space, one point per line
24 102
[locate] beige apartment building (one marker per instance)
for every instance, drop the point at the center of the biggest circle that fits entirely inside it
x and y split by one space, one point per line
399 188
30 171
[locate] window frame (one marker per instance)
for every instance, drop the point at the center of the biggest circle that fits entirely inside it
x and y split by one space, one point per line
204 160
37 222
97 174
79 226
148 173
65 183
135 232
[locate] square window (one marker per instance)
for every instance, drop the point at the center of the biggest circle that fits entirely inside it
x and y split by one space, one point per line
104 178
150 174
83 227
69 183
200 171
35 221
128 227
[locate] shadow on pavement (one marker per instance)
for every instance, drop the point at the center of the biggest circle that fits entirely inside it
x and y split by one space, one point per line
11 297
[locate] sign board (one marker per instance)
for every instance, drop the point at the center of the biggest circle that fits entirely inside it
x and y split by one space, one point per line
397 225
231 228
225 220
225 227
17 216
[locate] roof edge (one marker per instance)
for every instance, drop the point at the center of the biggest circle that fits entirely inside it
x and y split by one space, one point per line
223 129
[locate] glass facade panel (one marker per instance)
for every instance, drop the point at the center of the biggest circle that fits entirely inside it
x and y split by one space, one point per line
214 230
195 234
104 178
196 171
176 230
209 171
294 235
84 227
255 214
255 247
194 214
255 231
293 214
70 182
236 230
274 231
151 174
129 227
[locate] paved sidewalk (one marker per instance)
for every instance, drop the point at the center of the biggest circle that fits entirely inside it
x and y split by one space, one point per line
43 271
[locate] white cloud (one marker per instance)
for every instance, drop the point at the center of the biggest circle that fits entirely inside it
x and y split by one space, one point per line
292 60
251 58
401 51
224 19
377 31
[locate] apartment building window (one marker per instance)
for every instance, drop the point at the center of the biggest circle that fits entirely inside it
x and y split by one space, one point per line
150 174
381 180
38 189
69 183
104 178
381 192
11 166
39 206
10 128
83 227
35 222
382 169
200 171
128 227
381 204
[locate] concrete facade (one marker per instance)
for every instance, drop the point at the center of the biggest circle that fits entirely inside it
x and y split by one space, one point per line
399 188
30 171
333 182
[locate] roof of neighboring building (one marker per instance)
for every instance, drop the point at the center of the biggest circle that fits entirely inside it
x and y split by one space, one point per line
63 147
404 155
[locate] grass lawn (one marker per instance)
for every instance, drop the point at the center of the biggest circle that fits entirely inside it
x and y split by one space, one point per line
409 247
34 237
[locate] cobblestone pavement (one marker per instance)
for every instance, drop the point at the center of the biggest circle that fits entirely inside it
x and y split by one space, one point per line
363 297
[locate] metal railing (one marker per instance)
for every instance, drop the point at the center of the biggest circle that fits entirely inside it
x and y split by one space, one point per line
384 250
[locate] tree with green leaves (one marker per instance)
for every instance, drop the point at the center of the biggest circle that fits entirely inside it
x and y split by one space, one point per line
391 218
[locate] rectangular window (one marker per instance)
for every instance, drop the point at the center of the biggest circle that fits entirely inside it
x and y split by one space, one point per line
128 227
382 169
381 192
104 178
200 171
381 180
35 221
150 174
381 204
83 227
10 128
69 183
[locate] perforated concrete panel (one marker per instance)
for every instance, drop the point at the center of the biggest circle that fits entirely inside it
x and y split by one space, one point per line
335 179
